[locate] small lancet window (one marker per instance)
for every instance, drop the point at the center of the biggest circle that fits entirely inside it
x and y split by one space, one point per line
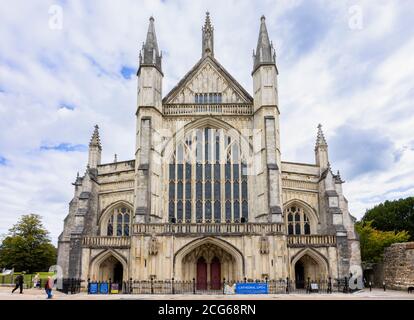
110 227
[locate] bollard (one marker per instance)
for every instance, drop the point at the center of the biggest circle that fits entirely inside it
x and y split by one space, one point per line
152 285
172 285
287 284
194 288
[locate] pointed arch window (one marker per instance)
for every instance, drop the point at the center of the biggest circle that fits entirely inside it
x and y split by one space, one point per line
214 184
110 226
297 221
119 222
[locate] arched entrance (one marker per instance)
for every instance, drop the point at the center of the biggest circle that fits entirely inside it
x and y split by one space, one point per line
111 269
208 258
308 264
208 264
109 264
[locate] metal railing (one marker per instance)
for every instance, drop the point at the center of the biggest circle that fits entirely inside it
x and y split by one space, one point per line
164 287
70 285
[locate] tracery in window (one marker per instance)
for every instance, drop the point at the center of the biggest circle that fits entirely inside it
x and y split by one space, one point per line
207 173
297 220
118 223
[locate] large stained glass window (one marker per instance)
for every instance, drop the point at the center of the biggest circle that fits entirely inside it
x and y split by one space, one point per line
207 179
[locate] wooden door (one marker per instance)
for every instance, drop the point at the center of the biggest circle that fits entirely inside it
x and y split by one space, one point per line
215 274
201 274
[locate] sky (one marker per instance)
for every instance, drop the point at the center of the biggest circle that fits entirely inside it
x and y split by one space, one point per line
68 65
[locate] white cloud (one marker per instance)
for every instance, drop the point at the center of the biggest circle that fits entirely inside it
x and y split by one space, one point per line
329 73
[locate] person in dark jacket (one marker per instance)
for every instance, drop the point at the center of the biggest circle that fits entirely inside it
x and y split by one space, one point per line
19 283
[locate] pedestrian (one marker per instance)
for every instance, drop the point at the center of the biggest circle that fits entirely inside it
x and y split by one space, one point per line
19 282
36 281
370 286
49 287
383 285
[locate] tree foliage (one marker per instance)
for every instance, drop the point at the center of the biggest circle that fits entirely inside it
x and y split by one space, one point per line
373 241
27 247
395 215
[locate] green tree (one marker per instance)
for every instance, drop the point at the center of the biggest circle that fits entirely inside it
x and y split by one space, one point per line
395 215
373 241
27 247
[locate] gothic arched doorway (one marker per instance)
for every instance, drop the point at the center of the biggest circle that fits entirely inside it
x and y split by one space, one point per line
111 269
309 267
223 260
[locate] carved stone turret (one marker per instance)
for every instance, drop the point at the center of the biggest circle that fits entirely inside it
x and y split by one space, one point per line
208 37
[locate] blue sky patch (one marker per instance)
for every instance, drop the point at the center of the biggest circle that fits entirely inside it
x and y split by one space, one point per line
67 105
127 72
3 161
65 147
363 150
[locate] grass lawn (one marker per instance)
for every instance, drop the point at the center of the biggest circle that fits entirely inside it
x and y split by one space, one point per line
28 278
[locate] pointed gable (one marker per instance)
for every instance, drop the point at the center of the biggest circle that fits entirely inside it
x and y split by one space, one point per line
207 76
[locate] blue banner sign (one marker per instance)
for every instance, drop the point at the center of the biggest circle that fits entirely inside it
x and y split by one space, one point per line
104 288
251 288
93 288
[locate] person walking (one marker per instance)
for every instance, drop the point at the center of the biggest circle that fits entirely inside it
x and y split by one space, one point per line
36 281
49 287
19 283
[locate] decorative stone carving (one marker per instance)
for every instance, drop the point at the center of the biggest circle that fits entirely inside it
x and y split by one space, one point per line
153 246
264 245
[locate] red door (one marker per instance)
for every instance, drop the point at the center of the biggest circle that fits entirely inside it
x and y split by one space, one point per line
215 274
201 274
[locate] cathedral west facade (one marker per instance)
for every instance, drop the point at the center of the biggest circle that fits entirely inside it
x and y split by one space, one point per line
207 195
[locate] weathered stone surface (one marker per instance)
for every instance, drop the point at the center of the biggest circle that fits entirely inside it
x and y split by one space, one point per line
399 265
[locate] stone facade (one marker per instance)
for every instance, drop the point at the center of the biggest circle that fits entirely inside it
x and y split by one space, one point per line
207 195
399 265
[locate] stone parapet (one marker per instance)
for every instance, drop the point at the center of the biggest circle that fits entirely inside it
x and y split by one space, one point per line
311 240
209 228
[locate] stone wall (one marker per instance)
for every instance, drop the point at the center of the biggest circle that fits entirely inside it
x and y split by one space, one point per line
399 265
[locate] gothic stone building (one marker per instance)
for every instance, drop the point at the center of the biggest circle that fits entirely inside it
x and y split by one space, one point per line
207 195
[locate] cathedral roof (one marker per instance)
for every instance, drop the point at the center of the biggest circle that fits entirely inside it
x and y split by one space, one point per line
209 59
